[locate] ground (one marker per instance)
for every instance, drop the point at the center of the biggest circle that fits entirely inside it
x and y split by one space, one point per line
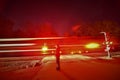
73 67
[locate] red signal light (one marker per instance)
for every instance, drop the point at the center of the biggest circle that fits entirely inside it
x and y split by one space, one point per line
108 43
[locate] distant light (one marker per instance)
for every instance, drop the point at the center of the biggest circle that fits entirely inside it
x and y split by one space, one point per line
52 52
103 43
44 48
60 52
92 45
79 51
72 52
86 51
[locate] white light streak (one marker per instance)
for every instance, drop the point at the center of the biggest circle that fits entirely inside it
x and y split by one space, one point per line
23 44
29 50
25 39
70 45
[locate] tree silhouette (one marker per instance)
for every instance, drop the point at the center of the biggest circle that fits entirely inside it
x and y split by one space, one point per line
94 29
27 29
107 26
6 27
81 30
46 30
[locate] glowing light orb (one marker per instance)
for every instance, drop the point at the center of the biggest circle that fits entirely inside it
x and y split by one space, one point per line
44 48
92 45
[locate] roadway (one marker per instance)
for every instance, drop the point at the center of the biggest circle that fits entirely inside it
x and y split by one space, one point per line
73 67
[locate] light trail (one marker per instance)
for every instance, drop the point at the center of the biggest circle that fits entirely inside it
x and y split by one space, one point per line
23 44
30 50
70 45
25 39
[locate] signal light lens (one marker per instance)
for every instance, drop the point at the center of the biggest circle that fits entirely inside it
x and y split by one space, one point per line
111 42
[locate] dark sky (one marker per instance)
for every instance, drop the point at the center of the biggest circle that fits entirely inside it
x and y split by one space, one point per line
62 14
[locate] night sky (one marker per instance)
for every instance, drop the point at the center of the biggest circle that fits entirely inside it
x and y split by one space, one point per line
62 14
